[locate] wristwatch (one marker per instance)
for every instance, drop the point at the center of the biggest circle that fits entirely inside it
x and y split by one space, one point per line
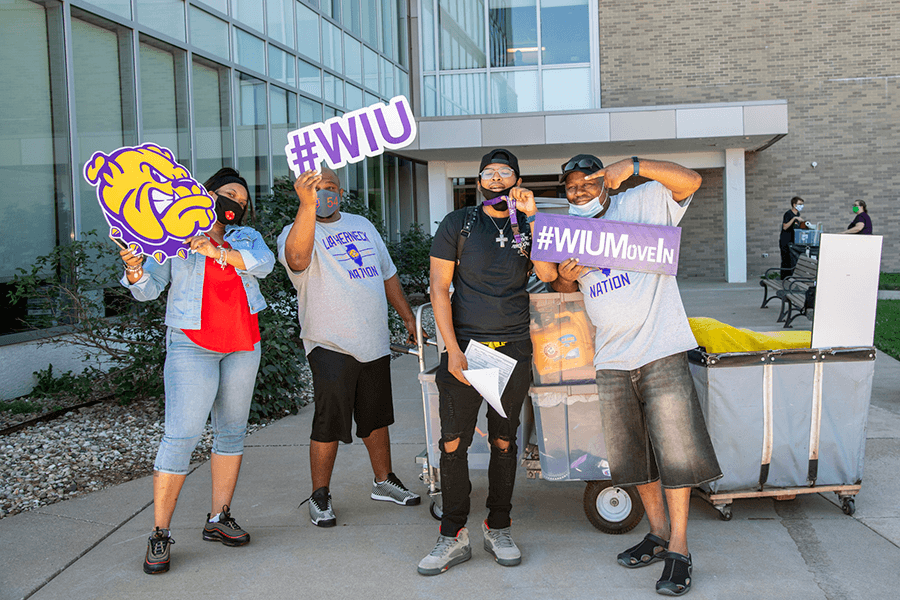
637 165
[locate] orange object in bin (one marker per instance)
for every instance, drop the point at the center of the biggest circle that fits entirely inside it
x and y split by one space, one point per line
563 339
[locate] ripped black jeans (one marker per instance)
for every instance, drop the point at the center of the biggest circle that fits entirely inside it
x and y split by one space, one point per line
459 404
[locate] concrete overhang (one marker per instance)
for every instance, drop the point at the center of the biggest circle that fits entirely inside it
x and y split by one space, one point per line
684 128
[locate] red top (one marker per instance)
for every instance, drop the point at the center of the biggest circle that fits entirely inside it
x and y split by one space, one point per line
226 324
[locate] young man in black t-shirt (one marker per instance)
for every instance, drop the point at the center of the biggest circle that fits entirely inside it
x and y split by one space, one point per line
490 306
789 222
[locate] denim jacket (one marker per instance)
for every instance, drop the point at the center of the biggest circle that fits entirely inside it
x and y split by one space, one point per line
186 277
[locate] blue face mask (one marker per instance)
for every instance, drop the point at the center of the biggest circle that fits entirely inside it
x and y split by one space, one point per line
588 209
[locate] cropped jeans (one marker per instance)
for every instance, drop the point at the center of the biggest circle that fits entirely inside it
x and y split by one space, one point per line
199 384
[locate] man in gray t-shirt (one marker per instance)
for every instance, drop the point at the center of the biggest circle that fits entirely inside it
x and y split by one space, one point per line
655 434
344 278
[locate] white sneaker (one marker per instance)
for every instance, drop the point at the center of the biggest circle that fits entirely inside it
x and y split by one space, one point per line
499 543
448 551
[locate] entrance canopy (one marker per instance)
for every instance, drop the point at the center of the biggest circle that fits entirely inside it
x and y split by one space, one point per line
698 136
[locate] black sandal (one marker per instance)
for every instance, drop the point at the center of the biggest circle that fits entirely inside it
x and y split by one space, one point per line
676 576
649 550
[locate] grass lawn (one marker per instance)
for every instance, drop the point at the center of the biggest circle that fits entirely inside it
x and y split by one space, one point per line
887 327
889 281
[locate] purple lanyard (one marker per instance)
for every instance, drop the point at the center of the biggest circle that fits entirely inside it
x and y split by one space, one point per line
518 245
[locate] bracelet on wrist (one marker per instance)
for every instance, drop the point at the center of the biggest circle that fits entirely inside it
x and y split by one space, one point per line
223 258
531 218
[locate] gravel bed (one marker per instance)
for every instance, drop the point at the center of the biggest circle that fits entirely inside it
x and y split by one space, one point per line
91 448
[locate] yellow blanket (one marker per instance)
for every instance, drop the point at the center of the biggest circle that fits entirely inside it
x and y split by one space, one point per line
719 337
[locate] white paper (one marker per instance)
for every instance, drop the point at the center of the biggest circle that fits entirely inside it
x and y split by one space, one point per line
846 290
489 372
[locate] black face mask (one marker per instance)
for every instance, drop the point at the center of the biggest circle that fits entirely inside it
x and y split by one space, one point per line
228 211
490 195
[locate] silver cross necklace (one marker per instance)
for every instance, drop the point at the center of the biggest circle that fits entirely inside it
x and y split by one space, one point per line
501 238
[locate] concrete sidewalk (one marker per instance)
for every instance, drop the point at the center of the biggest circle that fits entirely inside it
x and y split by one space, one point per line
92 547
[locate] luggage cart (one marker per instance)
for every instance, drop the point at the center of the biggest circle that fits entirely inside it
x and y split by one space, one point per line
785 422
610 509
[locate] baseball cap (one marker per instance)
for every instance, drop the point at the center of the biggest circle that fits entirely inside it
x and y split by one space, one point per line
500 156
586 163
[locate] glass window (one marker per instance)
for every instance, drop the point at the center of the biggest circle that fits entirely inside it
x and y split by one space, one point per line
401 82
310 112
34 156
370 27
427 18
388 26
165 16
373 165
352 59
284 120
331 8
429 102
119 7
462 34
331 47
281 66
280 21
251 136
209 33
308 32
567 89
463 94
513 29
402 28
370 62
371 99
354 97
248 12
387 78
351 16
334 89
249 51
212 117
164 103
219 5
310 79
564 32
514 91
104 100
392 196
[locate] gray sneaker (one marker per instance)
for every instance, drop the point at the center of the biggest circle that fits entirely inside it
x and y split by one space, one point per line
448 551
393 490
499 543
321 513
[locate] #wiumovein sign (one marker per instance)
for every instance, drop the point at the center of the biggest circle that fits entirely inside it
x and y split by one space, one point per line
607 244
351 137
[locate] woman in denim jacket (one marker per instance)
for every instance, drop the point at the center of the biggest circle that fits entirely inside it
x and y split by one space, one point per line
212 356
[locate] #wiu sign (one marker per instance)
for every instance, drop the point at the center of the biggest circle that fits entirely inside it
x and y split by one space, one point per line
351 137
607 244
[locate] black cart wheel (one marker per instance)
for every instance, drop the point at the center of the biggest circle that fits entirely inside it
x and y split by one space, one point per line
612 509
725 512
436 510
848 505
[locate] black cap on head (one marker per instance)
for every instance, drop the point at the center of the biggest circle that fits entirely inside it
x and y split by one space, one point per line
500 156
586 163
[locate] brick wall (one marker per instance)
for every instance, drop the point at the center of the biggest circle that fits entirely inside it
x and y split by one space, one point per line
837 63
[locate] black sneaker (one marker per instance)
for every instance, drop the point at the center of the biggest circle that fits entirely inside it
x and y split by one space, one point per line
321 513
226 530
157 560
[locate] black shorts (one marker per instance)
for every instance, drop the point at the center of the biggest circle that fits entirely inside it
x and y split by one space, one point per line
345 389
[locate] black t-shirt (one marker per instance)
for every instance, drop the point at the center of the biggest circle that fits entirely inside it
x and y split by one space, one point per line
787 235
489 300
865 220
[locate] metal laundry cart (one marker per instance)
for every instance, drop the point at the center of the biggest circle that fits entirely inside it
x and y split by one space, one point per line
785 422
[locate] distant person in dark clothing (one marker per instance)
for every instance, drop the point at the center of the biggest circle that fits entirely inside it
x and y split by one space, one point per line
789 223
862 223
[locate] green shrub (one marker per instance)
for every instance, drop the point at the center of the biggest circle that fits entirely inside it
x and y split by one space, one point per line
889 281
887 327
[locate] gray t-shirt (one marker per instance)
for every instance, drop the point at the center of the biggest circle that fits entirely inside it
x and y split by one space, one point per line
639 316
341 302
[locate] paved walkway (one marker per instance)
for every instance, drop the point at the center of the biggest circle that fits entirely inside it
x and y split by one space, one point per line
92 547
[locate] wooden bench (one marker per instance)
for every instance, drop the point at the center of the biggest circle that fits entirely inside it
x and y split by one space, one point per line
792 291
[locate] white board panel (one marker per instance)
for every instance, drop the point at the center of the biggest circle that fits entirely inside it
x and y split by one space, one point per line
846 290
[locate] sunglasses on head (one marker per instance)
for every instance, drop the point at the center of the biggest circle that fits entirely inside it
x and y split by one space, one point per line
504 172
584 163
